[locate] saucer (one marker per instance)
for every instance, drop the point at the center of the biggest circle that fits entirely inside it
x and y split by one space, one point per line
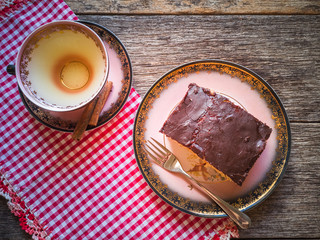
120 74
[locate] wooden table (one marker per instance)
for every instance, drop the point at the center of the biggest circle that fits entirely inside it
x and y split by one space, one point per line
279 40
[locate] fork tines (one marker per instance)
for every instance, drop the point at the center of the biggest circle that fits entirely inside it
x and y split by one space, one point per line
156 151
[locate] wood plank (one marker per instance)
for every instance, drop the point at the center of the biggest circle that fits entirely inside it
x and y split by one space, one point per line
194 7
284 50
9 224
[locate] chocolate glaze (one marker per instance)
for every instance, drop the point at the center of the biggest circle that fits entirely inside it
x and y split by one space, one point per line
225 135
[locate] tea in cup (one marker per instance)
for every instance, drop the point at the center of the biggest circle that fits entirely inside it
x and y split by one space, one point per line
62 66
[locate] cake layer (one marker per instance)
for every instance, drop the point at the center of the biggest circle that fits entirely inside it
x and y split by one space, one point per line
218 131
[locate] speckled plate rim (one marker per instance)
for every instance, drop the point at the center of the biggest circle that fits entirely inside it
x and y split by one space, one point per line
111 113
279 164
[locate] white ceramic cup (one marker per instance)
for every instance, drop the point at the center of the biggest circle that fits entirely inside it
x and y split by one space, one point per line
62 66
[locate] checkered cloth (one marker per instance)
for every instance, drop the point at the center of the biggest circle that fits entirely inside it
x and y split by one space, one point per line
10 7
91 189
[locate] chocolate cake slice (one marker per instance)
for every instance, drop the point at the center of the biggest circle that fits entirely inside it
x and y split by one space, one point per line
218 131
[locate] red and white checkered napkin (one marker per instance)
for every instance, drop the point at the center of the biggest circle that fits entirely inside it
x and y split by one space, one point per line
92 189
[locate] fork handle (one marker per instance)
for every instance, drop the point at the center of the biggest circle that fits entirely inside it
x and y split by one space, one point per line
237 216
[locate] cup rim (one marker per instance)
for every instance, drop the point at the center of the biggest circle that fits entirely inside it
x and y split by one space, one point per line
60 108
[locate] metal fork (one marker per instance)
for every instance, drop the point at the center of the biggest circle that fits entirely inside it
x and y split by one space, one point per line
166 159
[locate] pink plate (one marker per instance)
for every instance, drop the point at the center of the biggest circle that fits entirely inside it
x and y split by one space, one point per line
241 86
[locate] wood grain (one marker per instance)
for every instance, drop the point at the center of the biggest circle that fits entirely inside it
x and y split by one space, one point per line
284 50
194 7
9 224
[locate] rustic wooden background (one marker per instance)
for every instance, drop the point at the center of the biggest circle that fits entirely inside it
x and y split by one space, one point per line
279 40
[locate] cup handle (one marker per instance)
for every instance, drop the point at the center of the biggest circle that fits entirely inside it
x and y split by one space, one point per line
11 69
